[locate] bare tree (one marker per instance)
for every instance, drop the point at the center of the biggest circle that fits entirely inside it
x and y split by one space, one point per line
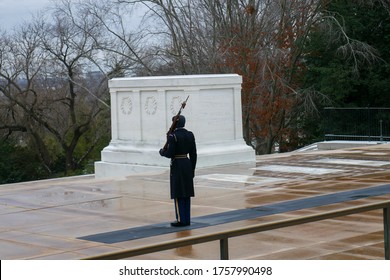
122 40
70 50
262 40
20 109
47 87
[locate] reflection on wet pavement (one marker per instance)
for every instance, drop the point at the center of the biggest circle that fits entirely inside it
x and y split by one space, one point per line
43 219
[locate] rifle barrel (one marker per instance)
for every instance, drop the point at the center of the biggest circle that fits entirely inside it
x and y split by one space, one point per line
175 119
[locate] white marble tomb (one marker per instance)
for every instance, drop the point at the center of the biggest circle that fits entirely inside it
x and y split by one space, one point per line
141 113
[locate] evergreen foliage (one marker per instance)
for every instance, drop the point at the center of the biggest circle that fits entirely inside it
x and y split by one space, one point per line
334 74
18 164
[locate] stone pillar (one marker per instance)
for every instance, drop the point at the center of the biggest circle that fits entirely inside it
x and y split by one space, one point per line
141 113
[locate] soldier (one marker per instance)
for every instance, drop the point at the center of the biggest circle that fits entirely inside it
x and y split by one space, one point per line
181 149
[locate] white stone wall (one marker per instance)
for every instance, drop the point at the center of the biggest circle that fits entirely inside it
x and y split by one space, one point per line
141 113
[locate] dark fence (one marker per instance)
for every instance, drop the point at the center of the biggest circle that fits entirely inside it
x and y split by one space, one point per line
357 124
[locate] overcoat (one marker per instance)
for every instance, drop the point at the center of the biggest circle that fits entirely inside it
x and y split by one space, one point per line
182 152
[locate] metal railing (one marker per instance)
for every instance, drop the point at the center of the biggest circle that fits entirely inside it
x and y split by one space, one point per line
223 236
356 124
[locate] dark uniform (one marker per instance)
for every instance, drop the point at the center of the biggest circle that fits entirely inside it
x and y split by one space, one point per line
182 152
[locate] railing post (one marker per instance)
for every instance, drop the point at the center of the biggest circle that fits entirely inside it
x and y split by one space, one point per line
224 249
386 223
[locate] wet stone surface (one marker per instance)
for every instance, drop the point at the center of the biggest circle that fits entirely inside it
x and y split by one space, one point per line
45 219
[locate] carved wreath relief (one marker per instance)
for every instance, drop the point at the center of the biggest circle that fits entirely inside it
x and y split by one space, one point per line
175 104
126 105
151 105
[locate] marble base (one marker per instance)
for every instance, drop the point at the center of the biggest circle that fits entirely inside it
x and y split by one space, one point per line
123 160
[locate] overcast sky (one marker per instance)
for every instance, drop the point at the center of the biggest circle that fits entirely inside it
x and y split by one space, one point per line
13 12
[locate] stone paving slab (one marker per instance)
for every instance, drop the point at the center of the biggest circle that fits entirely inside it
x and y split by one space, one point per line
44 219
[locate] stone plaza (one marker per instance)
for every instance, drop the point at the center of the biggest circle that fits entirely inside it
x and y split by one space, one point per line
52 219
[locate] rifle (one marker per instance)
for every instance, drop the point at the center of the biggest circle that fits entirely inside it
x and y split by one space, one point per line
174 121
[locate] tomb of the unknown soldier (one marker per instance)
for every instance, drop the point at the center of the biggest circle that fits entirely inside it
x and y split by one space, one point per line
141 113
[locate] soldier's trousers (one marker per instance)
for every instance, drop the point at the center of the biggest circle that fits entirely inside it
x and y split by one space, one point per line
183 210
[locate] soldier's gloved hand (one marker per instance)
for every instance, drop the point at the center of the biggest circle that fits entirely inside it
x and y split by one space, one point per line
161 152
